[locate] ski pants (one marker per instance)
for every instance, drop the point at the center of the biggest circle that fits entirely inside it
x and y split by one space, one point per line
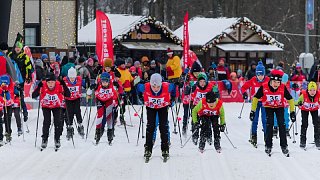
7 115
16 113
163 126
57 121
256 119
281 125
104 114
155 130
23 103
315 121
1 125
186 114
206 132
73 108
286 118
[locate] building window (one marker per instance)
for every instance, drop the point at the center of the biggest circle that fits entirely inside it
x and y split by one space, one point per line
31 36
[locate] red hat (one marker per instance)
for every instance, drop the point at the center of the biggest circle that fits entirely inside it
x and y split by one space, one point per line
132 69
276 75
169 51
221 59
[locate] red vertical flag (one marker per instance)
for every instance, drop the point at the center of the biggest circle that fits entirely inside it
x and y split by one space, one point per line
104 43
186 58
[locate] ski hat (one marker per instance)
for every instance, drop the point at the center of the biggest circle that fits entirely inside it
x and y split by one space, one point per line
4 46
233 74
153 62
276 75
39 63
260 69
120 61
81 60
298 66
239 72
50 77
72 73
58 58
144 59
196 67
312 85
5 79
44 56
211 97
169 51
132 69
105 77
107 62
156 79
19 45
129 60
136 63
203 76
285 78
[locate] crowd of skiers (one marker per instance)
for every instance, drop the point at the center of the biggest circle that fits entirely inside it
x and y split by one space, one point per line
59 85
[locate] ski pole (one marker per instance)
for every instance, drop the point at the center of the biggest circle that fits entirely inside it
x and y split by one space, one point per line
7 125
241 110
229 140
22 121
140 123
180 133
69 121
293 134
296 128
89 117
128 101
174 123
188 139
35 142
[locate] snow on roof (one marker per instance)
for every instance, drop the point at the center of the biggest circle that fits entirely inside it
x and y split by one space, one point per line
248 47
208 32
201 30
120 24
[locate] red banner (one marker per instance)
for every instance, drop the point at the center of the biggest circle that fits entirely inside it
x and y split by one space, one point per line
186 41
235 94
104 43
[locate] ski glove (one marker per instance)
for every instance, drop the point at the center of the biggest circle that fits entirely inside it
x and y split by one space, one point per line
222 127
293 116
116 84
245 96
28 80
252 113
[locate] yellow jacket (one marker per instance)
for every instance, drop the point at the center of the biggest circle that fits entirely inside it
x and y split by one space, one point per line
174 67
125 79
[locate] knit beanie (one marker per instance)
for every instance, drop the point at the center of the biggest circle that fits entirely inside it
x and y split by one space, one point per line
72 73
260 69
312 85
107 62
211 97
156 79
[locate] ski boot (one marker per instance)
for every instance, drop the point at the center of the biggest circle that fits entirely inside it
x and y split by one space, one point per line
195 140
147 154
288 133
285 151
8 137
317 142
184 130
209 140
97 135
216 144
165 155
81 130
122 121
1 143
70 132
44 144
57 144
268 150
253 140
110 136
303 141
20 132
275 132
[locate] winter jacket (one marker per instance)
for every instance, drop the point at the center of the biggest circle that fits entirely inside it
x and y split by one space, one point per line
40 73
83 71
65 68
173 67
223 73
298 77
24 64
125 79
91 71
198 107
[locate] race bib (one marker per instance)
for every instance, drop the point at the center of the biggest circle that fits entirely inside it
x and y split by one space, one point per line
74 89
105 91
156 101
51 97
272 98
310 105
209 113
200 95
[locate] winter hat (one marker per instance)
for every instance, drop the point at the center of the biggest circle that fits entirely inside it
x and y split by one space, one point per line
169 51
276 75
120 61
129 60
89 60
202 76
81 60
58 58
312 85
285 78
144 59
71 60
196 67
4 46
260 69
156 79
72 73
233 74
211 97
153 62
105 77
132 69
107 62
44 56
136 63
39 63
50 77
253 63
239 72
298 66
19 45
221 59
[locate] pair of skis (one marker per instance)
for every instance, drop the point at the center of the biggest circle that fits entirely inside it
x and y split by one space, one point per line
164 159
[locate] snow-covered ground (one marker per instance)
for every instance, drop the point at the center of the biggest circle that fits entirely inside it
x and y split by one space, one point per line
123 160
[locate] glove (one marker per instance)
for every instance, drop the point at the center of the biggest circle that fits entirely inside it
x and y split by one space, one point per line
116 84
93 86
222 127
187 90
293 116
192 83
252 113
4 87
28 80
113 68
245 95
295 86
186 71
18 87
215 89
40 84
300 103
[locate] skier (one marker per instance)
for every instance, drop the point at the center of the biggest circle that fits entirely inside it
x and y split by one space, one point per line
6 93
272 95
309 102
51 93
157 97
106 96
74 83
199 90
255 83
207 112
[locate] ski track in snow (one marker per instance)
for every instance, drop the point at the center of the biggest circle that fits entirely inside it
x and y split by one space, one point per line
123 160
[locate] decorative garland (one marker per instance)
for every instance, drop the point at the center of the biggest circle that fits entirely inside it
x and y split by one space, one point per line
144 21
246 22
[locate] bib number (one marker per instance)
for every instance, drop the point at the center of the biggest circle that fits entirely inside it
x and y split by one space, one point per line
272 98
156 101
